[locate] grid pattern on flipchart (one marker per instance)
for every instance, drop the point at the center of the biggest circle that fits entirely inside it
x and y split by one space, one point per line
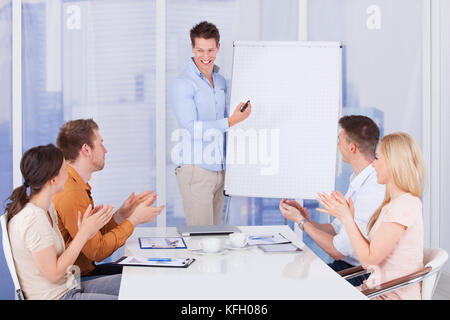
304 110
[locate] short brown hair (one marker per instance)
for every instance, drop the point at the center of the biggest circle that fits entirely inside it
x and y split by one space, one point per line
361 131
205 30
73 135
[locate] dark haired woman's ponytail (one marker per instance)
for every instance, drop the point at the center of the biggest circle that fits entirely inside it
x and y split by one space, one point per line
38 165
18 199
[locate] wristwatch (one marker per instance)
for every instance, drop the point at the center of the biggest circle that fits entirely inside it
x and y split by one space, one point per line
301 223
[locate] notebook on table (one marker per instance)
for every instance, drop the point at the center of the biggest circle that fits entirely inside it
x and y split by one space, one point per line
155 262
162 243
221 229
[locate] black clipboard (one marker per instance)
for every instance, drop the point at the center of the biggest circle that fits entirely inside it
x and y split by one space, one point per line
157 264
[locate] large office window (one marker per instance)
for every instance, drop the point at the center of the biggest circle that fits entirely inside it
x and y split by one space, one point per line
382 61
108 50
42 110
94 59
382 71
6 177
5 100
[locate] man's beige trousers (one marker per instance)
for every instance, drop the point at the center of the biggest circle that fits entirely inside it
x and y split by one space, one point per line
202 193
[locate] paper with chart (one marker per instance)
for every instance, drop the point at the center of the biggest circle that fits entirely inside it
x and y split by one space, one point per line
268 239
162 243
288 145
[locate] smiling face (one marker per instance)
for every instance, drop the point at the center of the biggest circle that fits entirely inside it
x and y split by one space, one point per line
381 168
205 51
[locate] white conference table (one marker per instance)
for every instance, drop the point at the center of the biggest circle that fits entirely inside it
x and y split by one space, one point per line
246 274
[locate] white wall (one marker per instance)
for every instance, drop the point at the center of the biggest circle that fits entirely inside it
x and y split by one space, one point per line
445 131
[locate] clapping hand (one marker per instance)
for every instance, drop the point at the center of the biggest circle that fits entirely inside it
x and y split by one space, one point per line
144 212
292 210
303 211
94 220
130 204
336 205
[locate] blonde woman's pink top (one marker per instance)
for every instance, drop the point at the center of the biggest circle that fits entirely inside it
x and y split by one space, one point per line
407 256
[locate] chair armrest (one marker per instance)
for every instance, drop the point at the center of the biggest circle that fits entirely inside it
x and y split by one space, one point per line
348 271
397 283
19 295
352 272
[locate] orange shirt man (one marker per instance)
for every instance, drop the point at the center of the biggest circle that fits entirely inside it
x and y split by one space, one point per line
83 148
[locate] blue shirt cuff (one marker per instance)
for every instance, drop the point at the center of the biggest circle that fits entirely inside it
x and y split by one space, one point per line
223 124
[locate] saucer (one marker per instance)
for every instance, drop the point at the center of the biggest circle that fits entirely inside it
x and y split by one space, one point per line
200 251
246 247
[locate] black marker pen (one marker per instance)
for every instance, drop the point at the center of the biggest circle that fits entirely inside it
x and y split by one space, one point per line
245 106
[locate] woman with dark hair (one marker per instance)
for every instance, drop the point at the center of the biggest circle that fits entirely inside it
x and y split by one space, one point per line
44 266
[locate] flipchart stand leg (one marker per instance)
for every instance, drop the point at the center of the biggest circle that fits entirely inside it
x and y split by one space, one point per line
227 210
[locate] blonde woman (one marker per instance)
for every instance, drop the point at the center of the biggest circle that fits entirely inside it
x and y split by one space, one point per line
395 245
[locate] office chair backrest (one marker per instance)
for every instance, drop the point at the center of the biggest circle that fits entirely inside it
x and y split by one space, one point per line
18 294
434 258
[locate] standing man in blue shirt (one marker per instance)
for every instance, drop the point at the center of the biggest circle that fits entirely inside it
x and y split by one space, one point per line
198 98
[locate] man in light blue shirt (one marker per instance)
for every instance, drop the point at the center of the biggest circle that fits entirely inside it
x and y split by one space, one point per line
198 97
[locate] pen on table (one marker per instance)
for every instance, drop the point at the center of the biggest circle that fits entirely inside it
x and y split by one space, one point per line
245 106
171 243
160 259
260 237
186 261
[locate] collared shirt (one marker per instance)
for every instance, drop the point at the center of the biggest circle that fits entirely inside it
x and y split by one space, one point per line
201 113
367 196
76 197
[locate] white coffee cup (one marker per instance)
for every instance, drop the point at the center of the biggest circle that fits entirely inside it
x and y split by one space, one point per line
238 239
211 245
